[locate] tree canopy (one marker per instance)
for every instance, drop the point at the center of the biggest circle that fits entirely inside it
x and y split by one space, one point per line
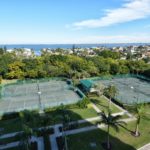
106 62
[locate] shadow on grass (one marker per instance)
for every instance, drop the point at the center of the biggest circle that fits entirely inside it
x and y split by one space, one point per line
89 140
124 127
97 102
94 140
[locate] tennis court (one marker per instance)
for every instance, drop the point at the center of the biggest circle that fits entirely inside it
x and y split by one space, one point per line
36 95
130 90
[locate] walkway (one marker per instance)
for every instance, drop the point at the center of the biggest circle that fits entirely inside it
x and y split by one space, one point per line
85 129
145 147
39 140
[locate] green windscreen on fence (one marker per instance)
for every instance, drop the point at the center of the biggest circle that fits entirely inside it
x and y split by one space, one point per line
36 94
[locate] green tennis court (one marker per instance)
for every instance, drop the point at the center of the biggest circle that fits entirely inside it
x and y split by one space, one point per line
131 89
36 95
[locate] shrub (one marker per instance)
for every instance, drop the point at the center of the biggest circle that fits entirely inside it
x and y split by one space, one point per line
10 116
44 132
70 127
83 103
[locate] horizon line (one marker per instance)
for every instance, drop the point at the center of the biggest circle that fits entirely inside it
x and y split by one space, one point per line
73 43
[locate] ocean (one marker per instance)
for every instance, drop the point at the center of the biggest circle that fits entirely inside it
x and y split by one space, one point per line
38 47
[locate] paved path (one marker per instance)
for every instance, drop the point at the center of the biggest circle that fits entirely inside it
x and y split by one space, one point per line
10 145
53 137
9 135
145 147
85 129
89 128
76 131
39 141
120 108
96 108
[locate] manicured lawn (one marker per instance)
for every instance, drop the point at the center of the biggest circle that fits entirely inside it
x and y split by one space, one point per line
10 125
14 125
83 113
10 139
102 103
122 140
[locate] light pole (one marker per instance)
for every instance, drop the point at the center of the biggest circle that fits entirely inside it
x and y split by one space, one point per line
39 96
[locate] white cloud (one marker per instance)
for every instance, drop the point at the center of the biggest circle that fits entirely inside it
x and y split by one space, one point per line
91 39
130 11
137 38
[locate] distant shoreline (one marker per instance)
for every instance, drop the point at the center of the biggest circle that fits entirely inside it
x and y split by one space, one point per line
38 47
74 43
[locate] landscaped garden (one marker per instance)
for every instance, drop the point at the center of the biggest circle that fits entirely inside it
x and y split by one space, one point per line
102 103
123 140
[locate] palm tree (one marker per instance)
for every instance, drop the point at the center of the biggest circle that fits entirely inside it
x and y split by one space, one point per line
110 121
139 113
46 120
110 91
65 123
27 119
25 137
66 120
99 89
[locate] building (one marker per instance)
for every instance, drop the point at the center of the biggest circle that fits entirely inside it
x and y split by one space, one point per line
87 85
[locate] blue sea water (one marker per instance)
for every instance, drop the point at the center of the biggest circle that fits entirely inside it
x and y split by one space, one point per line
38 47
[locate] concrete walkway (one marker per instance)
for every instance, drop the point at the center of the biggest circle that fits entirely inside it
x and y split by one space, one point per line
84 129
53 141
96 108
9 135
39 140
9 145
145 147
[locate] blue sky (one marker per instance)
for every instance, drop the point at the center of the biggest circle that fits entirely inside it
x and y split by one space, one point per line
74 21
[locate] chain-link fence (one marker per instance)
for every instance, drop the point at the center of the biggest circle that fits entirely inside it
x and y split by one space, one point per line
131 88
36 94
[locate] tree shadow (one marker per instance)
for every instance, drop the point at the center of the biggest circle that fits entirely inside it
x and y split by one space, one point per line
97 102
89 140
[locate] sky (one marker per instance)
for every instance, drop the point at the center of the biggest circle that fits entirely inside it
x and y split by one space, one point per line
74 21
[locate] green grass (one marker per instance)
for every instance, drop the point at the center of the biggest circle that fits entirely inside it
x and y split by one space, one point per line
10 139
14 125
10 125
124 116
122 140
102 103
83 113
